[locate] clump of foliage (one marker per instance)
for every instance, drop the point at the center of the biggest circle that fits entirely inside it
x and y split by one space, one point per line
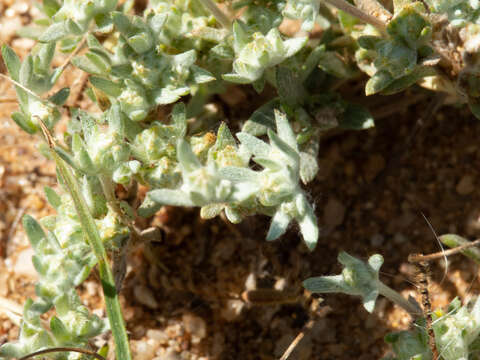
180 53
456 330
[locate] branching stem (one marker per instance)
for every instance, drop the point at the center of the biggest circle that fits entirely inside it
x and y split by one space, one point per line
114 312
109 192
416 258
75 52
16 83
359 14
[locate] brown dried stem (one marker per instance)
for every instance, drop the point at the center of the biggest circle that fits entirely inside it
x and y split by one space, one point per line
417 258
61 349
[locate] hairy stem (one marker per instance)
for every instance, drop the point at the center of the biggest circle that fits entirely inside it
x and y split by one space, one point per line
109 192
114 311
416 258
398 299
359 14
217 13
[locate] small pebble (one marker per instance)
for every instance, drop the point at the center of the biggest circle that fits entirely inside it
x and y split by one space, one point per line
196 326
375 164
251 282
157 335
145 296
232 309
23 264
144 349
333 213
466 185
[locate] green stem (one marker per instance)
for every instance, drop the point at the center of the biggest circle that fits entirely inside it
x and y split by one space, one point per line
114 312
217 13
109 192
398 299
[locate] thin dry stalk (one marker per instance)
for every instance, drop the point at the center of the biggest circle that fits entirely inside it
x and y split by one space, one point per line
423 269
308 326
417 258
63 349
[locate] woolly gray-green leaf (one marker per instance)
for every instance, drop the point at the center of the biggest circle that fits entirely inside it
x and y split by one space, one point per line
34 231
170 197
278 225
54 32
52 197
11 61
308 167
256 146
107 86
60 96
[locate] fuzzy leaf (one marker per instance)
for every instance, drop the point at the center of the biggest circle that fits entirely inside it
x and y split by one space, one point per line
25 74
379 81
238 174
308 167
186 157
283 147
34 231
60 96
22 121
52 197
261 119
170 197
284 130
256 146
324 284
224 137
211 210
179 119
289 86
11 61
356 117
54 32
278 226
59 330
50 7
309 227
408 80
107 86
331 63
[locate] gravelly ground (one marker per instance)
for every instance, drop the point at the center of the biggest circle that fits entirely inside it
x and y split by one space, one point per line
182 297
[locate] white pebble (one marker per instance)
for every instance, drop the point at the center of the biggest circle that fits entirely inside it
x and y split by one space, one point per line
195 326
23 264
145 296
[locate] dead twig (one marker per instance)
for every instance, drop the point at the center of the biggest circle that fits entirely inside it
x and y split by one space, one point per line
13 226
308 326
423 268
417 258
61 349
